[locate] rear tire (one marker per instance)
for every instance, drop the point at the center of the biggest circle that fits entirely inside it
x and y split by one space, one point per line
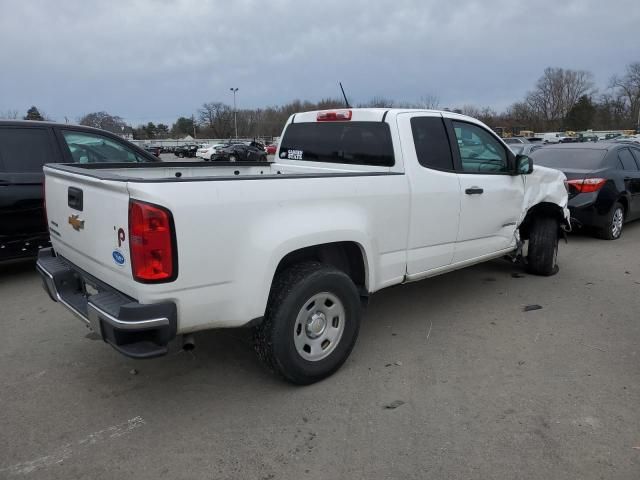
232 158
543 246
613 230
181 155
311 323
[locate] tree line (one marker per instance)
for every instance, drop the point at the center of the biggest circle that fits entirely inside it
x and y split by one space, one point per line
561 99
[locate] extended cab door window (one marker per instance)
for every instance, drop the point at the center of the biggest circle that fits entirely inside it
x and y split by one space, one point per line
432 143
480 151
93 148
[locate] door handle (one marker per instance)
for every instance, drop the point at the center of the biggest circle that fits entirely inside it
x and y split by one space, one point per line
474 191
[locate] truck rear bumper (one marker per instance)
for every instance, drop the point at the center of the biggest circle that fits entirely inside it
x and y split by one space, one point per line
133 329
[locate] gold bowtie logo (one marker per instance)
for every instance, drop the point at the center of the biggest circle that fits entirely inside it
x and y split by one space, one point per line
76 223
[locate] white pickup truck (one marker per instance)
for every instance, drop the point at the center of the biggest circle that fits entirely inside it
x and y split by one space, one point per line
357 200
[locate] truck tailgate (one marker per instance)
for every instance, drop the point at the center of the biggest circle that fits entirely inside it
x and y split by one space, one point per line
88 222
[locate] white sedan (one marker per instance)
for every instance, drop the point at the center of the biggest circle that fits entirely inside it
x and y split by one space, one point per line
208 151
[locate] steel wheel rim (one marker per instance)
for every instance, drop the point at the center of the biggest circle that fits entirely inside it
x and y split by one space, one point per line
319 326
616 223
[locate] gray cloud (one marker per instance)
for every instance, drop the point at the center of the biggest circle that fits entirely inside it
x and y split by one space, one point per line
154 60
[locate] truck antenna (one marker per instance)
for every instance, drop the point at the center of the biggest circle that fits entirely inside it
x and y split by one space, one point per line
345 97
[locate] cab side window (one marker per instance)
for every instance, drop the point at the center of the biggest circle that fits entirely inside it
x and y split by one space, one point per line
432 143
480 151
93 148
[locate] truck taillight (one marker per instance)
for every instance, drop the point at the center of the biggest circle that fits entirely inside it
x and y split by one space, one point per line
334 116
587 185
152 243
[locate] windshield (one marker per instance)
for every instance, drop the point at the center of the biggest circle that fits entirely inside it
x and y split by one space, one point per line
570 158
363 143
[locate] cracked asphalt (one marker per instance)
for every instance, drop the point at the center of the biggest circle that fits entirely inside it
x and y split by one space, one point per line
450 379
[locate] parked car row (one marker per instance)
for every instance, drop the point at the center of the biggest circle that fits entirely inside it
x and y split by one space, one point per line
233 151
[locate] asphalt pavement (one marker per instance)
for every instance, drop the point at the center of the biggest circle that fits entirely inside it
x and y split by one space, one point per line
450 379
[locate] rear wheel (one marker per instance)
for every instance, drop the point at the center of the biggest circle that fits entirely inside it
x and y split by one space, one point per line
181 155
311 323
232 158
542 256
212 158
613 230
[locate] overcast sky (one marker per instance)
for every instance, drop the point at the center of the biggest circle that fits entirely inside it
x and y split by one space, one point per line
153 60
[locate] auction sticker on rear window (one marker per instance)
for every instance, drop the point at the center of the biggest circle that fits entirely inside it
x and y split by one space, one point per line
292 154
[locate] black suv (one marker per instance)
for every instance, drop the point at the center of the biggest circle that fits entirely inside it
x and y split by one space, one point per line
24 148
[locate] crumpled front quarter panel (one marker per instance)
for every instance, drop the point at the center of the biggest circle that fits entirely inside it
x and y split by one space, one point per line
545 185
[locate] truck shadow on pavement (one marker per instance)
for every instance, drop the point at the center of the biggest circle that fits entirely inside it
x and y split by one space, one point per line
224 363
12 269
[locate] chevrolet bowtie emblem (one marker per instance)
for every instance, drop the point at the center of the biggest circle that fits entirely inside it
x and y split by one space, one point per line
76 223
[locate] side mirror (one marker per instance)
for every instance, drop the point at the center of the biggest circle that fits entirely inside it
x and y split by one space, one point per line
524 165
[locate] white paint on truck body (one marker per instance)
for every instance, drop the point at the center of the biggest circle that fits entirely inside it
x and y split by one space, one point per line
409 221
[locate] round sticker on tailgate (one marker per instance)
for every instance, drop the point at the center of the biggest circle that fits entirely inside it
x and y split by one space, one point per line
118 257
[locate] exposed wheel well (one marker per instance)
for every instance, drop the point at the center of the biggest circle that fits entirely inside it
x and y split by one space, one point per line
544 209
345 256
625 204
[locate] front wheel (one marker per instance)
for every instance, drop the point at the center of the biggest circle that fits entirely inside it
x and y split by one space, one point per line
311 323
181 155
232 158
542 257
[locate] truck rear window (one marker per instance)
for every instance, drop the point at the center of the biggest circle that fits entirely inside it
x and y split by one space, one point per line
356 143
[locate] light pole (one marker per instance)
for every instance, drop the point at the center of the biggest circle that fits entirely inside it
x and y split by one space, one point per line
235 114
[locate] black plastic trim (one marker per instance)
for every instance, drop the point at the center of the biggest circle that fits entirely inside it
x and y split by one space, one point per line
63 280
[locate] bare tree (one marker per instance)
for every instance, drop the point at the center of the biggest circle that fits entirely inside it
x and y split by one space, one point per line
378 102
627 88
429 102
104 121
10 115
217 117
556 93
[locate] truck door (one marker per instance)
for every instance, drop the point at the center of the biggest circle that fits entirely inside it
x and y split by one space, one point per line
435 192
491 198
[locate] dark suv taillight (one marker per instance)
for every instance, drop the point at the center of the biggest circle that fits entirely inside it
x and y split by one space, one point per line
152 243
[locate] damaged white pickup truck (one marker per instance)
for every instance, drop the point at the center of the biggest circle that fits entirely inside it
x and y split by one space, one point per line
356 201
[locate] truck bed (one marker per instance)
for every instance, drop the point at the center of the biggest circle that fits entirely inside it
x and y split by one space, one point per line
202 171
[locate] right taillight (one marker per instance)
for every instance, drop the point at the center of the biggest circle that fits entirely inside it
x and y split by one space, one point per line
587 185
152 243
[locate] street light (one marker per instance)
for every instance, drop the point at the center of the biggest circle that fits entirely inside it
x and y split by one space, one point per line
235 115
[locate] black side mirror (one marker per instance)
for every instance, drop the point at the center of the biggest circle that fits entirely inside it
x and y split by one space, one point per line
524 165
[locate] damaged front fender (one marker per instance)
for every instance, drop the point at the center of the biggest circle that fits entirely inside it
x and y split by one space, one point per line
546 186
